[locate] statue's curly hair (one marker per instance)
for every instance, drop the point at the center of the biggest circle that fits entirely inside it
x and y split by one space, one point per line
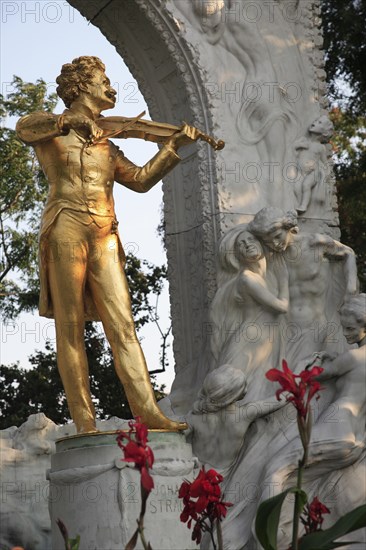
270 218
356 307
81 70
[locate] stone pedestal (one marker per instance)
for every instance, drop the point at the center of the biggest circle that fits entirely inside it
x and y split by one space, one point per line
98 496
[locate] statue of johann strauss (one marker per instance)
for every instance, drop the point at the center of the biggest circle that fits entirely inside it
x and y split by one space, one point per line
81 256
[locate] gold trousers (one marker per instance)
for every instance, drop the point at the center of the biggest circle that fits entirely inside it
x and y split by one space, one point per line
82 257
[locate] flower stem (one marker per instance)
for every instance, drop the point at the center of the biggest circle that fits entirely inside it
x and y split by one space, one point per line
140 524
297 511
210 529
304 425
220 541
140 521
213 541
305 432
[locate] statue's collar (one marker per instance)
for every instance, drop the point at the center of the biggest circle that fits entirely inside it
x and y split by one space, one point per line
82 109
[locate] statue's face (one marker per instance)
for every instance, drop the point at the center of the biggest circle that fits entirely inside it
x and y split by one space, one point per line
353 330
278 239
320 126
248 246
100 91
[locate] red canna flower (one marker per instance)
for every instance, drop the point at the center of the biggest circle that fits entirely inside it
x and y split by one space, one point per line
136 450
317 509
203 502
312 518
301 387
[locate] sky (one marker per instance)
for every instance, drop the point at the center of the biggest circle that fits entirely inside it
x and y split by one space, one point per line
37 37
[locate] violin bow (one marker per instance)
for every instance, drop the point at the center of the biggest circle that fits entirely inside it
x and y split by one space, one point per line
217 145
123 127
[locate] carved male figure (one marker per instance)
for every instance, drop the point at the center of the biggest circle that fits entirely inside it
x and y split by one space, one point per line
317 287
313 288
81 257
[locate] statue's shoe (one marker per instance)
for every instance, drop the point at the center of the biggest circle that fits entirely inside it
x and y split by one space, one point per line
157 421
87 429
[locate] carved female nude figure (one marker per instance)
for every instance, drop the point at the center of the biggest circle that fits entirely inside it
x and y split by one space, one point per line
245 309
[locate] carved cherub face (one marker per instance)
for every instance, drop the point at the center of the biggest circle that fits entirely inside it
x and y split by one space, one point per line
354 330
100 91
247 247
322 126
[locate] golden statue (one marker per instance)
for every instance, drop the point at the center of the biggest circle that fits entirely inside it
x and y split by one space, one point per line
81 257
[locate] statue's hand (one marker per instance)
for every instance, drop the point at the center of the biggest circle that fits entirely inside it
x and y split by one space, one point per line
321 357
186 136
82 125
327 356
306 364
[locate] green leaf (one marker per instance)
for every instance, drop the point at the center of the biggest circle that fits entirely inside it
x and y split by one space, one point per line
74 543
324 540
268 517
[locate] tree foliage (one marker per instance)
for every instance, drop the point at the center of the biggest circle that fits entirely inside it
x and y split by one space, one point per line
345 46
350 169
23 190
344 32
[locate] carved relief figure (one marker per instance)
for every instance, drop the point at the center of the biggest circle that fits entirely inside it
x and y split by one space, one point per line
255 35
321 272
266 118
221 417
245 309
338 434
210 15
312 160
347 431
82 260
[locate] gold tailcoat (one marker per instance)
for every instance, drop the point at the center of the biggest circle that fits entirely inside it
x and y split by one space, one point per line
81 179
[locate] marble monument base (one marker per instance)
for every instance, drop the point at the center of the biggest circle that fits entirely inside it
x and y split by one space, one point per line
97 496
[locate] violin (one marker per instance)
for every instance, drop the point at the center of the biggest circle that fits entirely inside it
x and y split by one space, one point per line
137 127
